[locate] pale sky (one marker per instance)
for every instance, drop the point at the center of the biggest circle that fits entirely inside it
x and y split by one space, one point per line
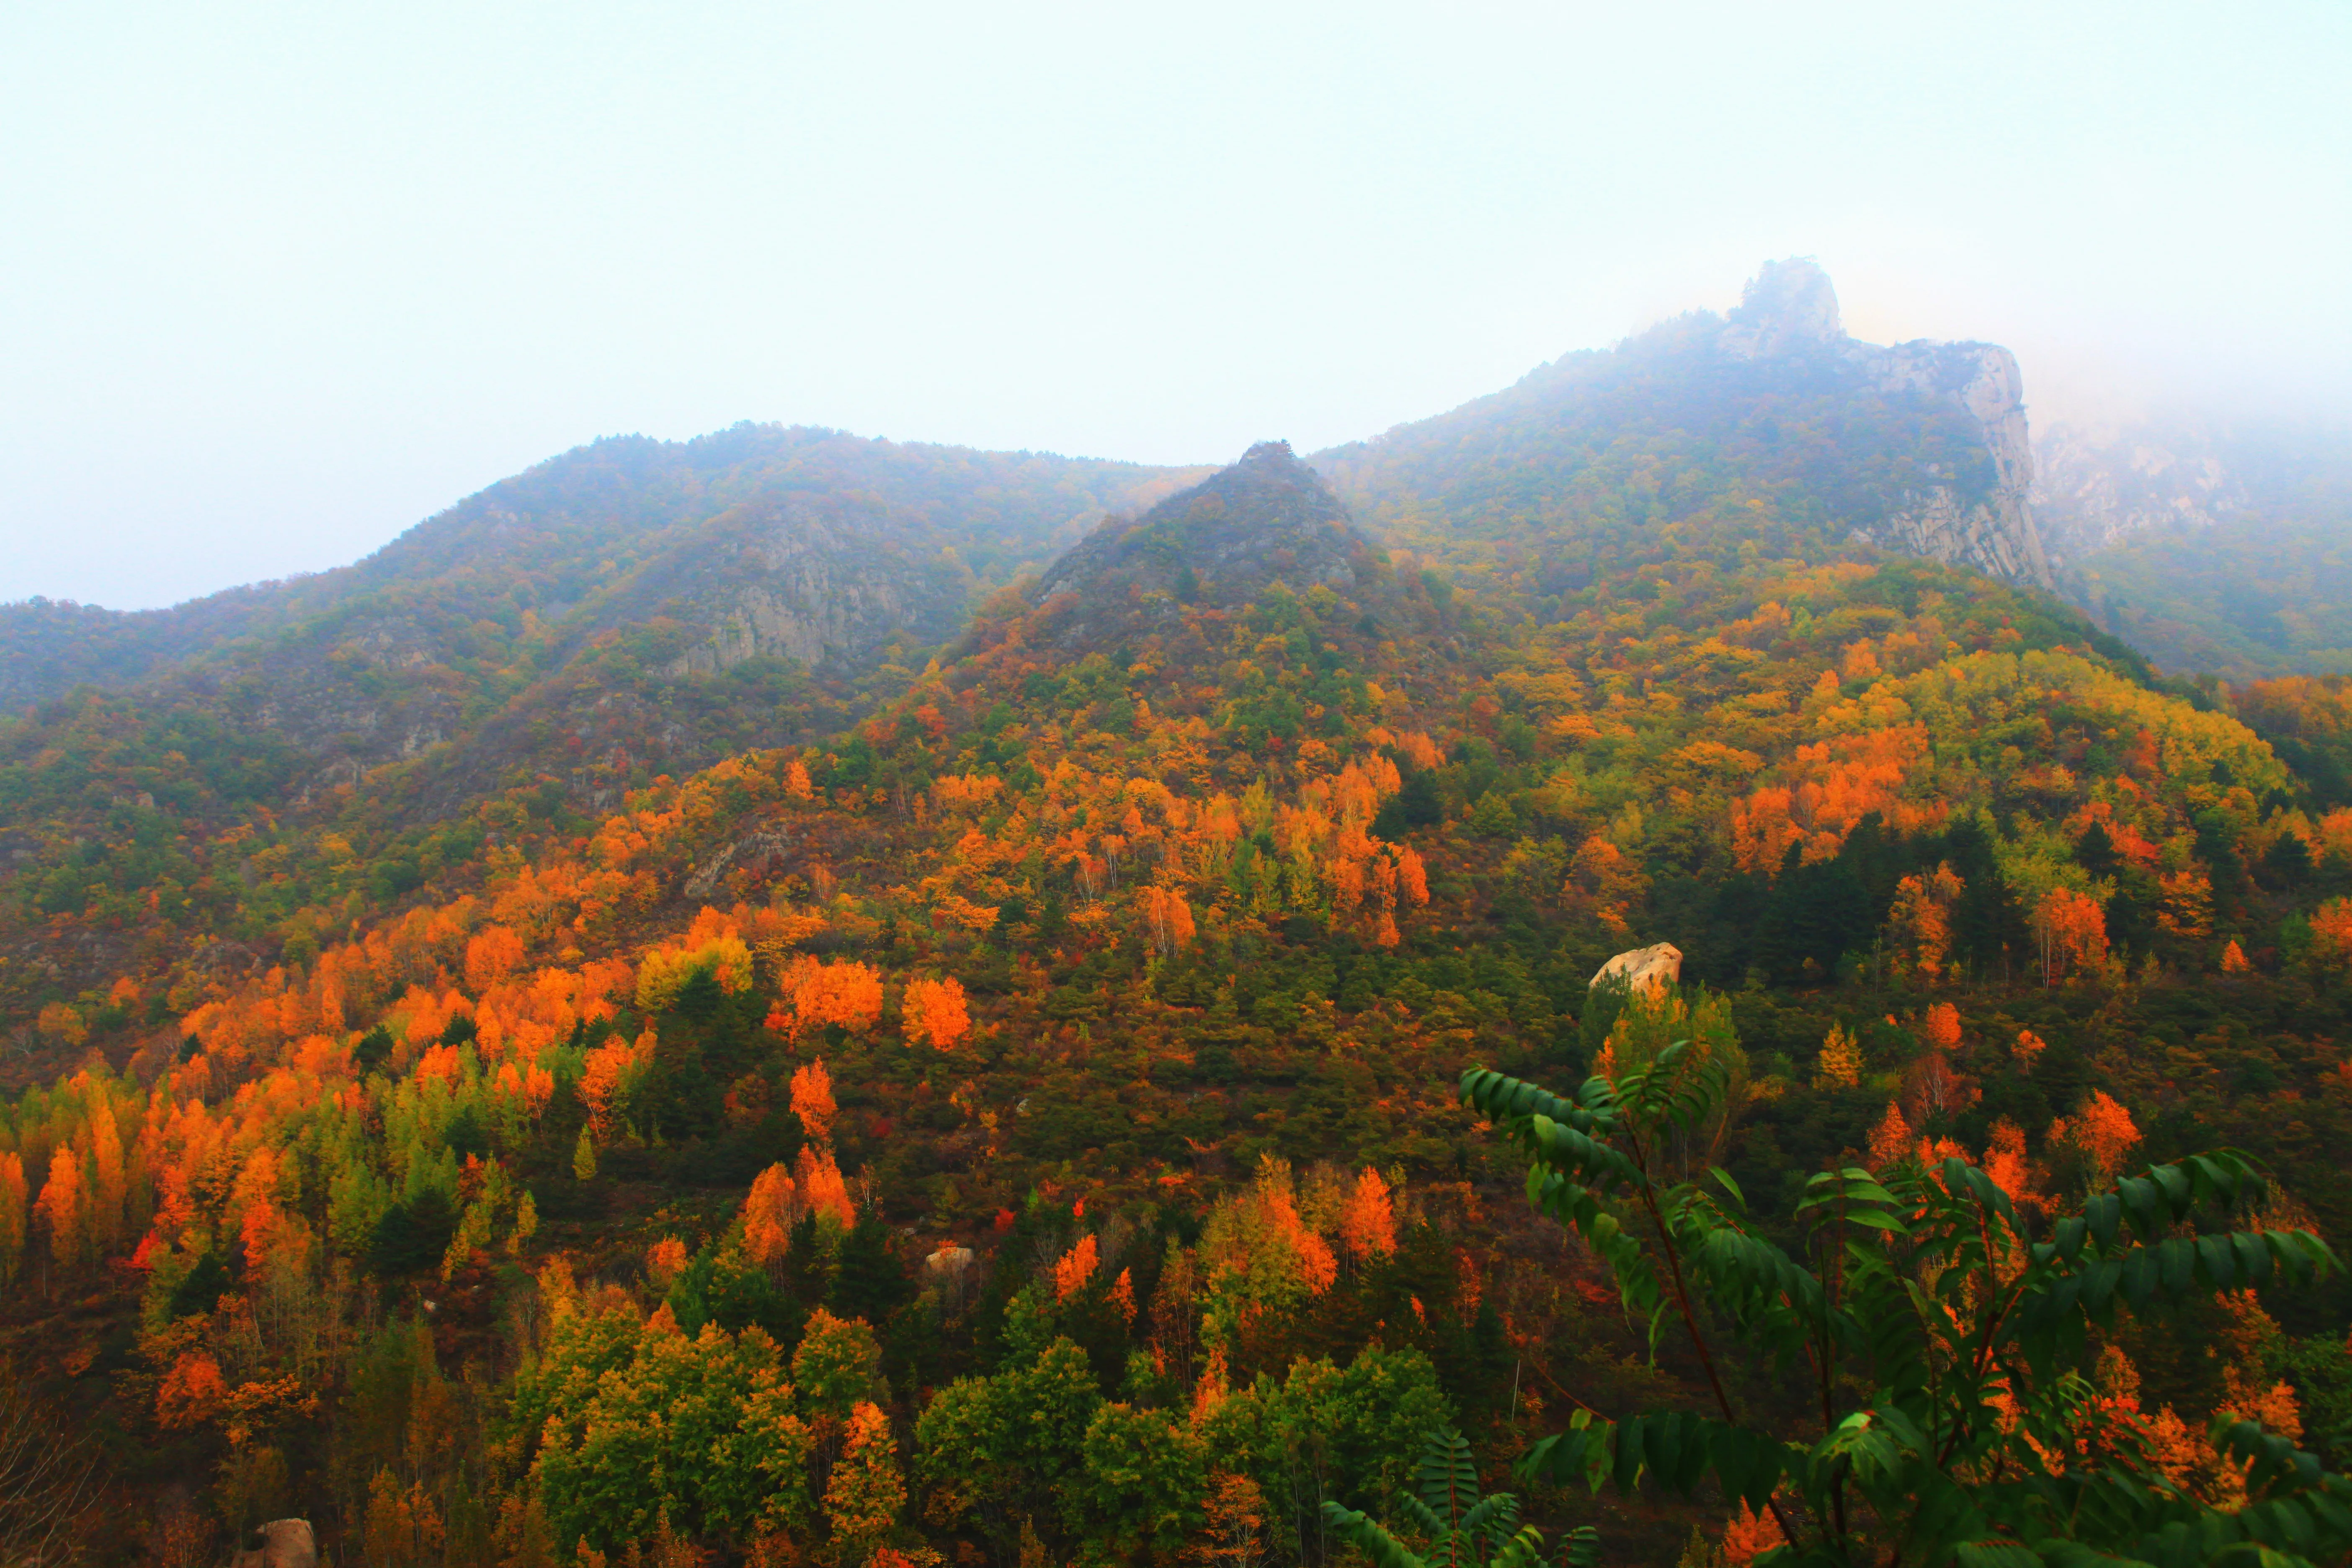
278 281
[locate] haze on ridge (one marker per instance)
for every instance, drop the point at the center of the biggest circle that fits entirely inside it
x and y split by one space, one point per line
279 288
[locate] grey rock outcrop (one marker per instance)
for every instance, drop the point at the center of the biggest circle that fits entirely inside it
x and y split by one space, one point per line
1788 306
1996 532
785 581
1790 309
949 1262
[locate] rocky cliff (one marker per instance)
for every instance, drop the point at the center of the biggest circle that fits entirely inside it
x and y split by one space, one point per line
1791 310
1769 424
2096 488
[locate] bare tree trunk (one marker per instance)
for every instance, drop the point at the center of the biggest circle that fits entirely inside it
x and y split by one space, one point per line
48 1478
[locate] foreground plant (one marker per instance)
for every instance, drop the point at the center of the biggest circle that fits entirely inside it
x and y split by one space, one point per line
1457 1528
1940 1343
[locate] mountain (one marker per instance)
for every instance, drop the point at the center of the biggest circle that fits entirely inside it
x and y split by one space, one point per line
2094 489
635 609
547 604
1920 448
1001 1099
630 607
755 542
2213 546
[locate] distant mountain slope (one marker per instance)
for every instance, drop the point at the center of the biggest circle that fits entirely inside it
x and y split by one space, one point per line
574 594
260 768
603 533
2211 547
1771 420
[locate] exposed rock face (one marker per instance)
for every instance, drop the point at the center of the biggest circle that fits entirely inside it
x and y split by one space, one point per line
282 1543
1644 968
1268 517
1791 310
1788 306
1996 533
949 1262
756 851
782 581
2093 489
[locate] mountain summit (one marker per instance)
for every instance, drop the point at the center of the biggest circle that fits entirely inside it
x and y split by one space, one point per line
1789 308
1787 305
1265 519
1918 447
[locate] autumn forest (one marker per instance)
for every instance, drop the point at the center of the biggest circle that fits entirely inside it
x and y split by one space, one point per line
1082 1040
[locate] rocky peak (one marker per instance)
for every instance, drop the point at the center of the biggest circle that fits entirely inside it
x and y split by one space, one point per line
1788 306
1790 312
1269 457
1269 497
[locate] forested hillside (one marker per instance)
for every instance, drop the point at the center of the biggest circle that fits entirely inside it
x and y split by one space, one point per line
1006 1104
225 778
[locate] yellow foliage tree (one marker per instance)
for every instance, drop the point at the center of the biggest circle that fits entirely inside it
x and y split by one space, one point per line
866 1492
1841 1061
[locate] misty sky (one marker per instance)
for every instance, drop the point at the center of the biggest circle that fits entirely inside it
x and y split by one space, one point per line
278 281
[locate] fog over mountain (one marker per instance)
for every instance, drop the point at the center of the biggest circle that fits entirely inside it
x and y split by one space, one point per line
272 289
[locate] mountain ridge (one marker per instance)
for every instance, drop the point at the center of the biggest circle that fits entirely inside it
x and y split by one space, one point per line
1921 447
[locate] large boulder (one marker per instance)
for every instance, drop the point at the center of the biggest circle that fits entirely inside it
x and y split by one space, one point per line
1646 968
280 1543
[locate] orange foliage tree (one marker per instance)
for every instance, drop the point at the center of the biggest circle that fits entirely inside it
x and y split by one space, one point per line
1367 1224
768 1212
822 1188
2331 932
14 1211
2103 1130
1890 1140
1832 787
1840 1066
1074 1267
1921 918
1167 919
2028 1049
816 994
935 1012
2072 930
61 1210
812 1101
